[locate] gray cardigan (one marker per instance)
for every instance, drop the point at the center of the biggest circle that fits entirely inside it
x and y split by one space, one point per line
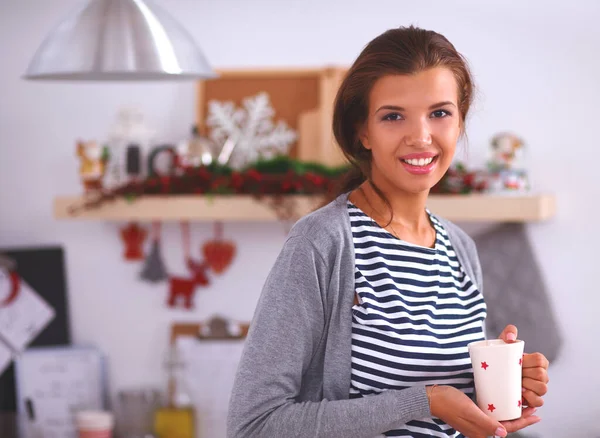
293 379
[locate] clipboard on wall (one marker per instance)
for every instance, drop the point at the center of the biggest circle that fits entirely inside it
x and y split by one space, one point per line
210 352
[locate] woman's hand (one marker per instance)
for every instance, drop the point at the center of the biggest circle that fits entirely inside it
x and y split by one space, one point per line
458 411
535 372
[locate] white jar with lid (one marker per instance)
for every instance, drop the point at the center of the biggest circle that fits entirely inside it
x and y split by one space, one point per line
94 424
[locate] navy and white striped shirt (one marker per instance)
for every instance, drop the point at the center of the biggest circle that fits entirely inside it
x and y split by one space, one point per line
417 312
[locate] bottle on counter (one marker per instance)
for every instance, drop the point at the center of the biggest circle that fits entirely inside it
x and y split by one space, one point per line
177 418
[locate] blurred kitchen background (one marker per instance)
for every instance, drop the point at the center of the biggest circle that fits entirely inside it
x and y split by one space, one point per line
537 71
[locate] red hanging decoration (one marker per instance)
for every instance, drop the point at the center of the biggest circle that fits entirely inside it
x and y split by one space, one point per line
133 237
184 288
218 253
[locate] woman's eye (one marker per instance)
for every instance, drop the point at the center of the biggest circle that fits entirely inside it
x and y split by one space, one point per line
440 113
391 117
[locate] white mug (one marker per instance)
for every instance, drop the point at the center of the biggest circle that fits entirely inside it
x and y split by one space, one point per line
497 368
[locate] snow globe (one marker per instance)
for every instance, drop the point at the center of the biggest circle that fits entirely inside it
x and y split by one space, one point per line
507 164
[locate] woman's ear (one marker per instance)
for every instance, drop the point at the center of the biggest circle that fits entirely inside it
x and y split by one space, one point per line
363 136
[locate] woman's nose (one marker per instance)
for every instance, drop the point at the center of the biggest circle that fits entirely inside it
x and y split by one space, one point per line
419 134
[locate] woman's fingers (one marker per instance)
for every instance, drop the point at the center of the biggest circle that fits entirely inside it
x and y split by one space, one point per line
481 425
535 379
537 373
540 388
520 423
535 360
532 399
527 419
528 412
509 334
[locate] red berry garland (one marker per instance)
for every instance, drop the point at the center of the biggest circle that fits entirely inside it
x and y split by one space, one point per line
276 177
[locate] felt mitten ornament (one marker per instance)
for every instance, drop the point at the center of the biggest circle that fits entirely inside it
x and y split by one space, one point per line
133 237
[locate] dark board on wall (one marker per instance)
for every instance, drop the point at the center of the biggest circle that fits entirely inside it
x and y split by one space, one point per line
44 270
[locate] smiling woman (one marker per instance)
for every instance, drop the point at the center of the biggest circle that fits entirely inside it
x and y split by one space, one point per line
416 134
364 322
404 102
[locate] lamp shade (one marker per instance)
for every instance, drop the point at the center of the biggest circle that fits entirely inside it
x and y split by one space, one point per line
119 40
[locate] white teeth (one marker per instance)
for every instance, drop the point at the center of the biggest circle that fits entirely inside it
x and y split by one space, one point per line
419 161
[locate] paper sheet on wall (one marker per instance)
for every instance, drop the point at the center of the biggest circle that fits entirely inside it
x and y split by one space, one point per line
52 384
23 318
210 368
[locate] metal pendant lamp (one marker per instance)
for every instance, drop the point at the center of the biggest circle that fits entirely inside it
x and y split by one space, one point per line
119 40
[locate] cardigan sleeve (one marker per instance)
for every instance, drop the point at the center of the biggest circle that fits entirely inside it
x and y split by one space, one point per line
286 331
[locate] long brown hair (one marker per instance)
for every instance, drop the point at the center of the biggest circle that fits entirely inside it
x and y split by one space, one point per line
405 51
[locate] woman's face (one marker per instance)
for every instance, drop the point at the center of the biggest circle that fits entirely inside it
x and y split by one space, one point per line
412 129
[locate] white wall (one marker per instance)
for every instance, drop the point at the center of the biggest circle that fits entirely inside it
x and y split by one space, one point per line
537 68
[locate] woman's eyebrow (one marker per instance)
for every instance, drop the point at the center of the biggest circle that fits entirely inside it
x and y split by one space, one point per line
399 108
440 104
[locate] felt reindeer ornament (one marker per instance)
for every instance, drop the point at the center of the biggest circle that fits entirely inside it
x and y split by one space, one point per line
184 288
218 255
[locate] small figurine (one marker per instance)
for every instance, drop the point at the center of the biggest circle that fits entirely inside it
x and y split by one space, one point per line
93 160
506 166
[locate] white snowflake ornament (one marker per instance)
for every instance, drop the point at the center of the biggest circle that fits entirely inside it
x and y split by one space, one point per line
248 134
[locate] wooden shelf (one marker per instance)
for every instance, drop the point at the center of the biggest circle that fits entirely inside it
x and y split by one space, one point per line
464 208
494 208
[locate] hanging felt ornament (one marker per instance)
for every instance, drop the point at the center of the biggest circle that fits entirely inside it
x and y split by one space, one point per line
218 253
154 269
184 288
133 237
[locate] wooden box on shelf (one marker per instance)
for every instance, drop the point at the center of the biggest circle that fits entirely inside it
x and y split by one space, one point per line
303 98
